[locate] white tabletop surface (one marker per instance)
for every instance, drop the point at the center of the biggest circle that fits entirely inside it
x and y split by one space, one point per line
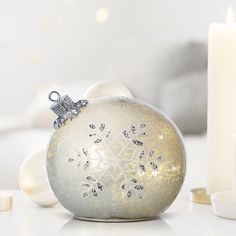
182 218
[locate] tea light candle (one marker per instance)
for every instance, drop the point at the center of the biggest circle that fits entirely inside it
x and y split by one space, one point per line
221 104
5 201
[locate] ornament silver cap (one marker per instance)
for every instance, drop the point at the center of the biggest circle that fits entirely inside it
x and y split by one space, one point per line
64 107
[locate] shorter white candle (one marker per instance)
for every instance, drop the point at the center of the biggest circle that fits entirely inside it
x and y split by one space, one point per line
6 200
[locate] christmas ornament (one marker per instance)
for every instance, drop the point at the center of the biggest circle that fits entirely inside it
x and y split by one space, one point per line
33 180
102 89
114 158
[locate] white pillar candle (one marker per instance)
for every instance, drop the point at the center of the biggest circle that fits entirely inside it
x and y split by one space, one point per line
233 181
221 104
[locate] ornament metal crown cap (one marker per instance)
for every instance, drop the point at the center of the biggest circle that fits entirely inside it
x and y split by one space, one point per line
64 107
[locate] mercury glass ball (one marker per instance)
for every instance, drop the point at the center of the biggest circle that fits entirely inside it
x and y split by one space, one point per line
118 160
33 180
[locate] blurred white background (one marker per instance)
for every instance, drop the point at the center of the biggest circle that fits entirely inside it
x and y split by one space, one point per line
56 41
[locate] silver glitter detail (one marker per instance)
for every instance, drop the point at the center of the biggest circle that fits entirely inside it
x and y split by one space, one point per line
65 108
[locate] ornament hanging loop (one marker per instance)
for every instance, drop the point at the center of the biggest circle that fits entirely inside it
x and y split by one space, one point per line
50 96
65 108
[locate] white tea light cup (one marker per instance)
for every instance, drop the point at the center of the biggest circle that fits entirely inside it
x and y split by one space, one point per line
6 200
224 204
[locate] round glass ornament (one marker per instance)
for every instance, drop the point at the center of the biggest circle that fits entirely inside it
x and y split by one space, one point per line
114 159
33 180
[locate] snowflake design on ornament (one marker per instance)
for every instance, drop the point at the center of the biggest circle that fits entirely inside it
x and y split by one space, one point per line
82 160
134 133
93 187
99 132
131 187
128 160
154 161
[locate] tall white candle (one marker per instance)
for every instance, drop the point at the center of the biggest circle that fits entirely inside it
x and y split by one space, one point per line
221 104
233 181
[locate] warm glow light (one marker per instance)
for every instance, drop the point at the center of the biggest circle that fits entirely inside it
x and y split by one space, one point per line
46 24
154 173
36 57
230 16
102 15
